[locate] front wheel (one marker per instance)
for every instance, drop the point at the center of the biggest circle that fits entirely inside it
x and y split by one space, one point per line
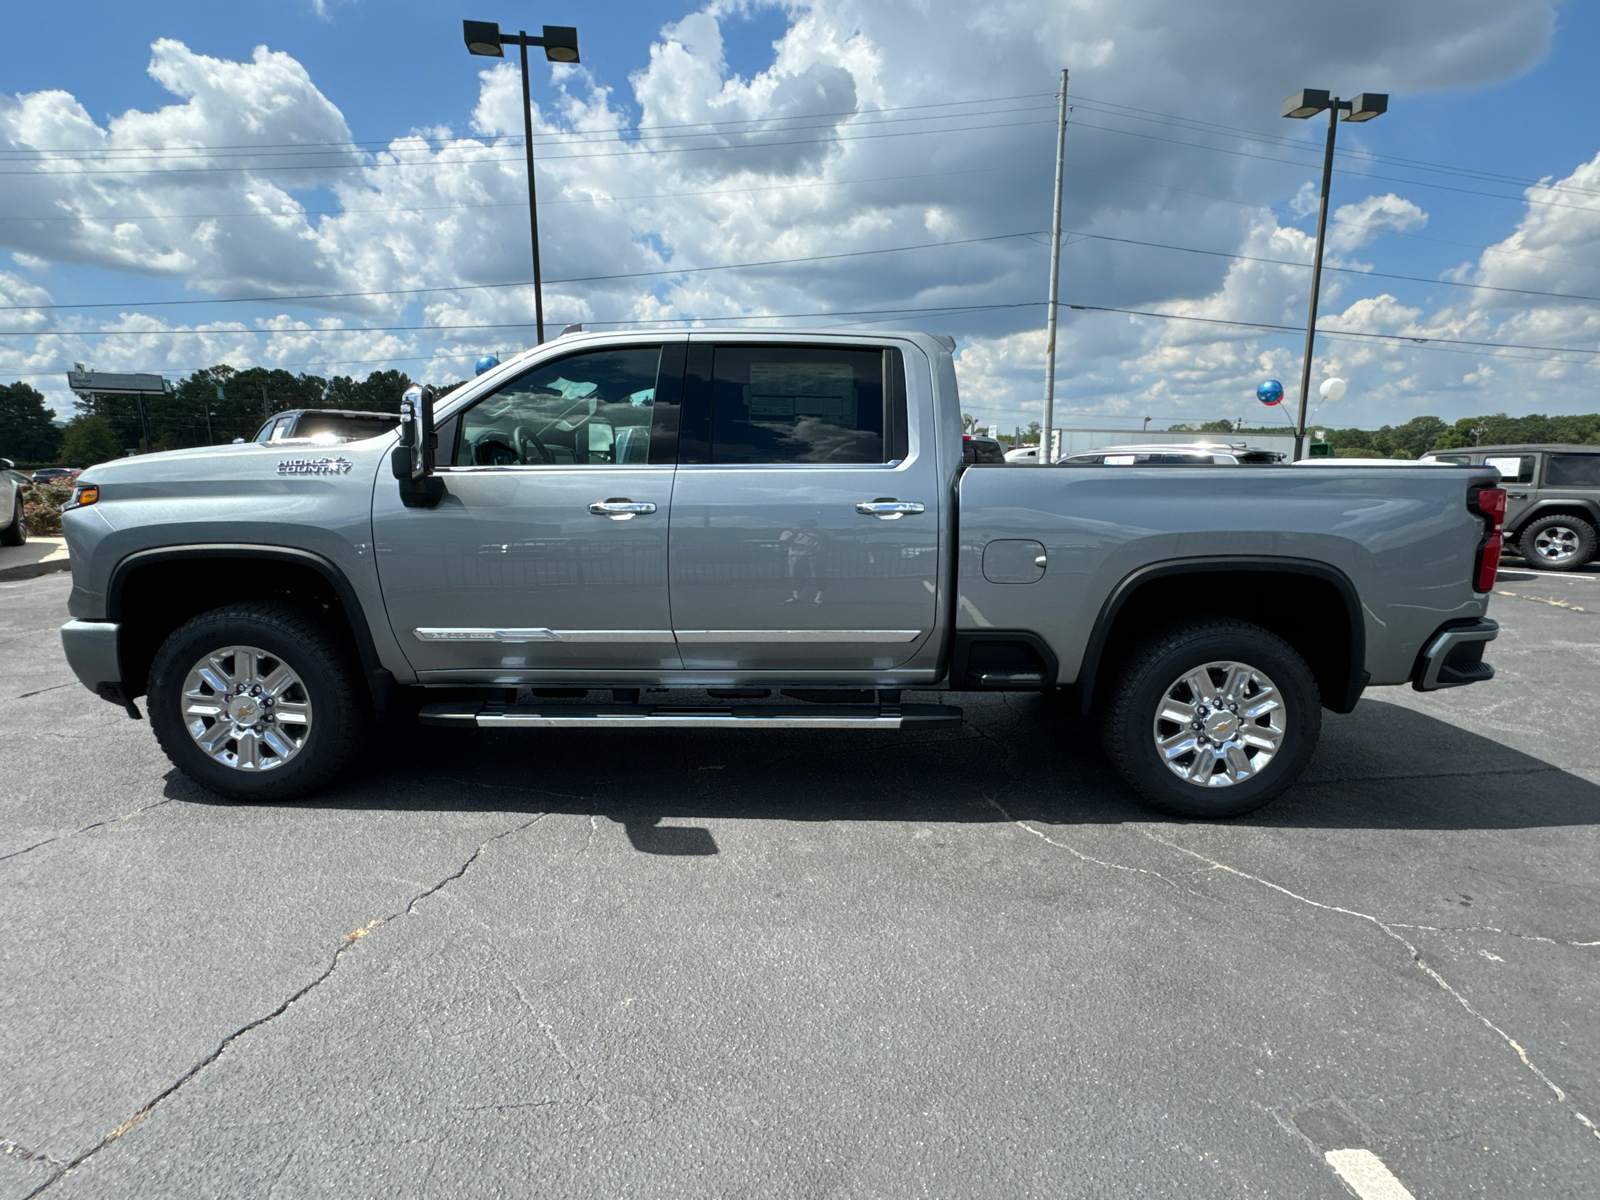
258 701
1211 718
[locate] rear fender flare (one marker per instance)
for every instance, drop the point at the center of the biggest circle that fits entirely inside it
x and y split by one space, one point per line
1357 678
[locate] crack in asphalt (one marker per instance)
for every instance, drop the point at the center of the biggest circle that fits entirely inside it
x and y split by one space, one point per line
55 687
1530 937
1089 858
1416 958
333 963
1388 928
17 1150
85 829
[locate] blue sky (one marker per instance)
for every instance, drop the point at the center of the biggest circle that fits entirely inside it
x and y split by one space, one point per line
1498 96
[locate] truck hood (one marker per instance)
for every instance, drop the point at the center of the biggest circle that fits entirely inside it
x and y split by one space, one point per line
233 460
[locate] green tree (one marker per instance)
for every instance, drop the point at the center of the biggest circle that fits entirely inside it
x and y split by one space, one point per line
88 440
378 392
26 434
968 422
1217 427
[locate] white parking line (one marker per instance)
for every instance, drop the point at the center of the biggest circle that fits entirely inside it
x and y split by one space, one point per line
1364 1173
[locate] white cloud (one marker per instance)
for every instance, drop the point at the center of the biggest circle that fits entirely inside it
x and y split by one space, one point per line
439 211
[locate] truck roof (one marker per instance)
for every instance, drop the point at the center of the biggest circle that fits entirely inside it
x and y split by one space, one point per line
1525 448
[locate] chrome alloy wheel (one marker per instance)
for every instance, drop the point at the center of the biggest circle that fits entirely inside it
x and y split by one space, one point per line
1556 544
246 708
1219 724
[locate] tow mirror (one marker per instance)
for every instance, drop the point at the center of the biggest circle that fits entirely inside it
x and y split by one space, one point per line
412 460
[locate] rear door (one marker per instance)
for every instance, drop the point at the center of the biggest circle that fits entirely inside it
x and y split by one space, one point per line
804 525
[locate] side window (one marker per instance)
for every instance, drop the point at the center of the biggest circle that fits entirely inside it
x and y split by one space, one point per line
800 404
1512 469
585 410
1573 470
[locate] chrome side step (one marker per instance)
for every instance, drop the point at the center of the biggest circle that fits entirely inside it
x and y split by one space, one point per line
739 716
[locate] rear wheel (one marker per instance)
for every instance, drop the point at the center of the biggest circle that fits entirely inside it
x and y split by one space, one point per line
1557 543
16 533
258 701
1211 718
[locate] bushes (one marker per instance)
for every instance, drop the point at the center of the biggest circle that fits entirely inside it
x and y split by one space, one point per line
41 505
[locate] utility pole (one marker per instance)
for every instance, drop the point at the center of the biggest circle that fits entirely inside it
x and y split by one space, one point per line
1045 438
264 413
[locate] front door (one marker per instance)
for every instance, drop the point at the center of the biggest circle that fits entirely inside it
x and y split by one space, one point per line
804 529
548 553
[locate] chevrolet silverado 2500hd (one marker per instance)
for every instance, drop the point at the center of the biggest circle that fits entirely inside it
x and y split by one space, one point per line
745 513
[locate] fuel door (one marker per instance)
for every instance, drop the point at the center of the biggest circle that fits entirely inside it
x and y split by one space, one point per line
1013 560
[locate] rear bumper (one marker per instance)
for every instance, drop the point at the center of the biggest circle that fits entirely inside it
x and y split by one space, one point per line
1453 657
91 648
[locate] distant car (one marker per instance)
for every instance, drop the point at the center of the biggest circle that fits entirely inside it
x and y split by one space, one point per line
1552 498
1173 454
981 450
46 474
15 530
326 426
1023 454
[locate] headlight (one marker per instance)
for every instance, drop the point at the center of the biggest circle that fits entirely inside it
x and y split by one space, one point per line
84 493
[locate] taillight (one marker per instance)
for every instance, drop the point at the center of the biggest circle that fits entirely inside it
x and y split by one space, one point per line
1490 503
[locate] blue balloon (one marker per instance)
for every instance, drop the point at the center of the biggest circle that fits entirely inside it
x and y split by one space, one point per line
1270 392
489 360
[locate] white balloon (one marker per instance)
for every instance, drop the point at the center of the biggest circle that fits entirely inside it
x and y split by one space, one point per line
1332 389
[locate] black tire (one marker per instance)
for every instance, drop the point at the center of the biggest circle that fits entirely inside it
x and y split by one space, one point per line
16 533
1559 531
313 649
1140 685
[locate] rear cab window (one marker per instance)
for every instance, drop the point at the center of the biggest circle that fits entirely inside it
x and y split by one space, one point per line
1573 471
798 404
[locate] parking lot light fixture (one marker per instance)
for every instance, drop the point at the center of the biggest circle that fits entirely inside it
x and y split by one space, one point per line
1308 102
560 45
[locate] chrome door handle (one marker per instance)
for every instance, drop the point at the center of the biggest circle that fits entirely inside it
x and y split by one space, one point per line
887 508
620 508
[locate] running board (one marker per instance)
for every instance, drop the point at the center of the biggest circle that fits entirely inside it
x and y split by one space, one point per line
746 716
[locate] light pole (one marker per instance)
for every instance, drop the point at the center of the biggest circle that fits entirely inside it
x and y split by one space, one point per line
1308 102
560 44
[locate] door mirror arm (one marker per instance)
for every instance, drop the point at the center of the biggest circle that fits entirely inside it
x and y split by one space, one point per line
413 458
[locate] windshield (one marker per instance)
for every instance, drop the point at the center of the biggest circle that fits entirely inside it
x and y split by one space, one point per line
333 428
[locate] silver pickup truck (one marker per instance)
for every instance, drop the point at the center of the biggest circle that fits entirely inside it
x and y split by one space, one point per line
558 542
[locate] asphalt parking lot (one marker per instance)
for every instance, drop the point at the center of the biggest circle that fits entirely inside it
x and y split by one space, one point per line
810 965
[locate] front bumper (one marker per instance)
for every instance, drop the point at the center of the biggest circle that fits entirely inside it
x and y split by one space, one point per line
91 648
1453 657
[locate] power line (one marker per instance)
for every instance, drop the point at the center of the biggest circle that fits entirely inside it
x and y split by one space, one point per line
474 287
1284 262
1290 141
523 204
548 158
556 138
516 139
1081 124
